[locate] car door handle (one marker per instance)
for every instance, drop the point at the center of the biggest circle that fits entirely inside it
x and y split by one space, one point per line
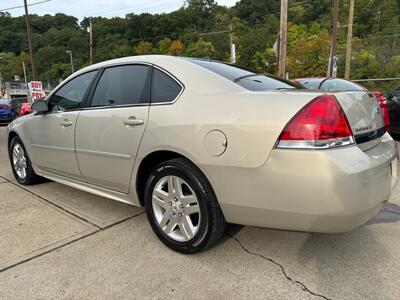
66 123
132 121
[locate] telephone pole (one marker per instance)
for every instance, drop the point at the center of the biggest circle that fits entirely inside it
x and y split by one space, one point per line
282 39
349 40
28 29
90 41
232 46
332 55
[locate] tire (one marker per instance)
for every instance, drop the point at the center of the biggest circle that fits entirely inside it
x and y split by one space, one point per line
29 176
195 226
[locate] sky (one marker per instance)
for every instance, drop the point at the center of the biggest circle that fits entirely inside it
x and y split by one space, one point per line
105 8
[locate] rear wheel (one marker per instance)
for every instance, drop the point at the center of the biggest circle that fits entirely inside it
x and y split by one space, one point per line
21 164
182 207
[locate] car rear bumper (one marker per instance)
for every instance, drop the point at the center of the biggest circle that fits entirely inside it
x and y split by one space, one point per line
319 191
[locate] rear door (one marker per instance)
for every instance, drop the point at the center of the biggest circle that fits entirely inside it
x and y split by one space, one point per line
110 127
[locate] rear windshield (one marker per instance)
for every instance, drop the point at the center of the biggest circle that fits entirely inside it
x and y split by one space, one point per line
247 78
312 84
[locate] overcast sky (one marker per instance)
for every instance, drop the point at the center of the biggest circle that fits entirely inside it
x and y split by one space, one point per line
106 8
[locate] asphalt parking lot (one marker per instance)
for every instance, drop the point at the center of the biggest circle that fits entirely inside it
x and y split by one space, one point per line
58 242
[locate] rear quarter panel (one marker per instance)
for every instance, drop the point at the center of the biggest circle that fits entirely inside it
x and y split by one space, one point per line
252 123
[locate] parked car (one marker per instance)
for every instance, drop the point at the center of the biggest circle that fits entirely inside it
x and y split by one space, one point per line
338 84
200 143
7 111
25 109
394 110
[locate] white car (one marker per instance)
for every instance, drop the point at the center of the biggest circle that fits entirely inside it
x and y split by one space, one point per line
200 143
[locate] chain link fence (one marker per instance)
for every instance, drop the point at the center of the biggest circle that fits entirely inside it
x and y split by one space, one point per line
383 85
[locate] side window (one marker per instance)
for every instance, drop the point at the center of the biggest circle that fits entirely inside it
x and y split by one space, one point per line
164 88
70 95
123 85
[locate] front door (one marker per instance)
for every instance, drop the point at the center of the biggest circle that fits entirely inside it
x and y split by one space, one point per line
51 134
110 129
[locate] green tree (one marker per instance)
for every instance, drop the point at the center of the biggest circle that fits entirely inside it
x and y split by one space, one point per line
143 48
200 48
308 50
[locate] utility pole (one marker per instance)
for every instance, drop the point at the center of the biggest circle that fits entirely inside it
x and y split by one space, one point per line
28 29
232 46
26 82
282 38
332 55
90 30
71 60
349 40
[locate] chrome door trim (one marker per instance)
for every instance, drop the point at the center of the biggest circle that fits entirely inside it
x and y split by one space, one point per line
53 148
106 154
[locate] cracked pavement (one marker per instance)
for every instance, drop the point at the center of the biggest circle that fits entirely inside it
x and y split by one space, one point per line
58 242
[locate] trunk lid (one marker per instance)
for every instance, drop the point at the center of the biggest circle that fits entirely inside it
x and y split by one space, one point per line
364 115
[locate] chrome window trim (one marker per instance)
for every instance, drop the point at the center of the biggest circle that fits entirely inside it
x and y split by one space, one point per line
316 144
150 103
114 106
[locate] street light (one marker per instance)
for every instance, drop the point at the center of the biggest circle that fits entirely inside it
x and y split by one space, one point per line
72 60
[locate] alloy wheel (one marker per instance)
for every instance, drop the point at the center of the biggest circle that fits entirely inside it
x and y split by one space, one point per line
176 208
19 161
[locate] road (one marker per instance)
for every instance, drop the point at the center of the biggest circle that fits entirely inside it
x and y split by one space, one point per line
60 243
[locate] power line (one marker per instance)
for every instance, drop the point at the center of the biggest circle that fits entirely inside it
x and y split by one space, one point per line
22 6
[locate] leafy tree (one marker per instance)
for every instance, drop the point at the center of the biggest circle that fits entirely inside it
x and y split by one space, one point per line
164 46
176 48
143 48
308 50
200 48
265 61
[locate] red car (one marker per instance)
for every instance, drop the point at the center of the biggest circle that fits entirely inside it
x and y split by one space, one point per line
25 109
338 84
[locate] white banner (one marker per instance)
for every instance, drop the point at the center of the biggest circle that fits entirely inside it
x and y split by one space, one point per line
36 90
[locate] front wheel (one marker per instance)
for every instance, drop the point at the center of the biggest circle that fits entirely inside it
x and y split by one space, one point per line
21 164
182 207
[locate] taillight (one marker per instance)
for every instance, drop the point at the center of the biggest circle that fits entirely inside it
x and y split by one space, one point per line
5 106
321 124
383 103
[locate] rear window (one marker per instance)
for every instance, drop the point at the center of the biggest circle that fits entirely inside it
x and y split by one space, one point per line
246 78
312 84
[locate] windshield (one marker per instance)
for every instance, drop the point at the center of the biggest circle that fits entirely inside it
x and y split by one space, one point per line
246 78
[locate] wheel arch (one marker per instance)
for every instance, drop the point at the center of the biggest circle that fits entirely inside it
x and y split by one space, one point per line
11 135
148 163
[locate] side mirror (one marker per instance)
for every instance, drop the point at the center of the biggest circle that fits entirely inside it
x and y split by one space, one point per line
40 106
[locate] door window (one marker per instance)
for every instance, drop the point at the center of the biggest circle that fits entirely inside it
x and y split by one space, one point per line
164 88
123 85
71 94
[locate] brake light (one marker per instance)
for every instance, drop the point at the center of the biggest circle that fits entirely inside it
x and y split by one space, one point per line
321 124
5 106
383 103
